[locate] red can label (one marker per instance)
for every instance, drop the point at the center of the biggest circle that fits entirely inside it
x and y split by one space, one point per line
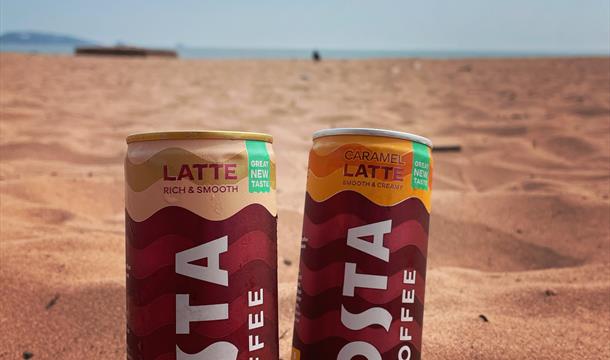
201 253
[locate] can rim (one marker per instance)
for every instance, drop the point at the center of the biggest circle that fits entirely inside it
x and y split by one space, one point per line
373 132
199 135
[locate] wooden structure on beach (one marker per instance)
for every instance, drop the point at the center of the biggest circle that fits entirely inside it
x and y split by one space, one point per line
124 51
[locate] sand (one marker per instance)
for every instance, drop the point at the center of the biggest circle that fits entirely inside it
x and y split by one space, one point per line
521 215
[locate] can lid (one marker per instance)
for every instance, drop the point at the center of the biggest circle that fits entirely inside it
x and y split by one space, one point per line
199 134
373 132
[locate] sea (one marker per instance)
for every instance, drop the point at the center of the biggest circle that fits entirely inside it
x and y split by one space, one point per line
228 53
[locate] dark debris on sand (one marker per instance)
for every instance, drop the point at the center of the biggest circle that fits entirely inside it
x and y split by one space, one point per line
52 302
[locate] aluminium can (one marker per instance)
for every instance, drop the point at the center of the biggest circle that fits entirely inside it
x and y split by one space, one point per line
201 246
363 252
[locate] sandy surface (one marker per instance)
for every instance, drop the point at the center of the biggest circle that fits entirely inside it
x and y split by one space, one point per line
521 216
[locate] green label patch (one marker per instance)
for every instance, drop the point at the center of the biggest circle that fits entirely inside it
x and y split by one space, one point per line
421 167
259 167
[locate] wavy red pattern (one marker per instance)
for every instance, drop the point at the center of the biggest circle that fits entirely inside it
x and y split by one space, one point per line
319 332
152 283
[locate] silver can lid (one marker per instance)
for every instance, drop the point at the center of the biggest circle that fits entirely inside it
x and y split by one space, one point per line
373 132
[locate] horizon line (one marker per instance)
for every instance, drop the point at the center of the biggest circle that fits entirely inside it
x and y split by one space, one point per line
447 49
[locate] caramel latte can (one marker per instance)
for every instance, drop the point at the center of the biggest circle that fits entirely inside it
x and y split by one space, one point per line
363 252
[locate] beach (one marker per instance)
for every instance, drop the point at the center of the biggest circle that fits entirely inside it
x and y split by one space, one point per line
519 248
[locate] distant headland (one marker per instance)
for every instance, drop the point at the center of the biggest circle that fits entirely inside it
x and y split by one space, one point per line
34 42
41 38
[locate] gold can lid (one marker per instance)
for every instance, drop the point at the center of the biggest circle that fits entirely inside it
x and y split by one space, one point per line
199 134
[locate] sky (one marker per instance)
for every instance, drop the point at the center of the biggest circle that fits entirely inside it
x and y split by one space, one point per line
554 26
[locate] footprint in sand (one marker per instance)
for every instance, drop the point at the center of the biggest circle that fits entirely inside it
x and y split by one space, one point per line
569 147
53 152
50 216
591 111
464 243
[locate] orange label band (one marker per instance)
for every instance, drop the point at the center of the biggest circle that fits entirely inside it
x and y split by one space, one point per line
387 171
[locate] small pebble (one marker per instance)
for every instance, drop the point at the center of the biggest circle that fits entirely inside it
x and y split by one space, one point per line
27 355
549 292
484 318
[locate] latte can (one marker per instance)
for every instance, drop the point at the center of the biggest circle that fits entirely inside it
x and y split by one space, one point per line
201 246
363 252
